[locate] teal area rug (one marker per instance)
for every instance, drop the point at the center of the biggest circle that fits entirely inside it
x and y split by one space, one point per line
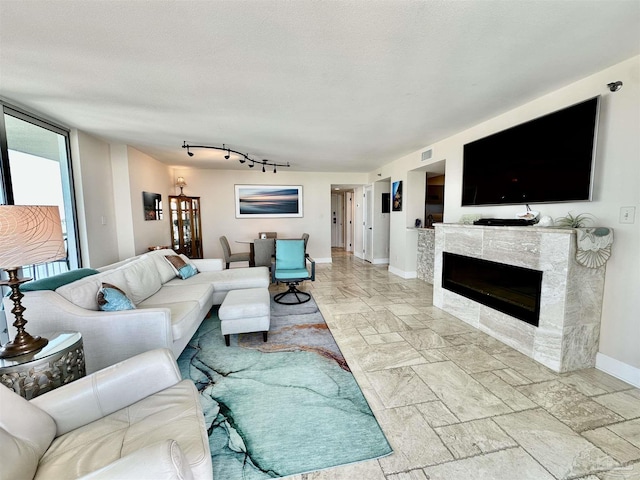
284 407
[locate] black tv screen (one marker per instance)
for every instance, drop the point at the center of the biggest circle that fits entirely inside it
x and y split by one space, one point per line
548 159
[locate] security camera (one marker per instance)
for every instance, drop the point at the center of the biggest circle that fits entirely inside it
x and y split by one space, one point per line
615 86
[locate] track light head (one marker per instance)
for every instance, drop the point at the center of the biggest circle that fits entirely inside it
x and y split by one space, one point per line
263 170
252 165
190 153
274 168
615 86
242 160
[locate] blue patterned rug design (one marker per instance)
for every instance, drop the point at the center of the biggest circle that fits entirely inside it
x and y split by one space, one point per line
284 407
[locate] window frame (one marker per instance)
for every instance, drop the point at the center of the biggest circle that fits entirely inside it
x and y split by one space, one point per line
67 176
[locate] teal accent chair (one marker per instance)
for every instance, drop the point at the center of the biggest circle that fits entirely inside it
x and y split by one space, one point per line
291 266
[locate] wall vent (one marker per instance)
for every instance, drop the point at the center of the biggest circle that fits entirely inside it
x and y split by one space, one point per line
427 154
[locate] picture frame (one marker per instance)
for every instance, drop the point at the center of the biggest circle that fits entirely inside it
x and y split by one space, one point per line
152 205
268 201
396 196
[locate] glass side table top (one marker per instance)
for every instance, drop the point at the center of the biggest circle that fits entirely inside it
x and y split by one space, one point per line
58 342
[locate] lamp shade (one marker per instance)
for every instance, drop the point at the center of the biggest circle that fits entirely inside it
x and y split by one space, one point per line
180 182
30 235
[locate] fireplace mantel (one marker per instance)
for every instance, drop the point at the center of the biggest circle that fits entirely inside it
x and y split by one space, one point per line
571 299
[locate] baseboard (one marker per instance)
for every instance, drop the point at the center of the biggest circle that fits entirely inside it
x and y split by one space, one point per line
380 261
402 273
618 369
322 260
358 255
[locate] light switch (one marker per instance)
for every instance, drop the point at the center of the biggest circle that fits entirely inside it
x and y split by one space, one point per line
103 220
627 214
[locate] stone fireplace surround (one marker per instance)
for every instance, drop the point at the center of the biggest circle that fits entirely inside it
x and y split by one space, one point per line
571 300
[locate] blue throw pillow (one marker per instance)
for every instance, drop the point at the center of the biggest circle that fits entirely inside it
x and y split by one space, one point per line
187 271
181 265
112 299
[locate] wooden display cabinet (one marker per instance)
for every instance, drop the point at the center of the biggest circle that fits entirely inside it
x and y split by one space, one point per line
186 229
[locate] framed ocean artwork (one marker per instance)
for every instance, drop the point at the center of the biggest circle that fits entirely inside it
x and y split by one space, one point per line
268 201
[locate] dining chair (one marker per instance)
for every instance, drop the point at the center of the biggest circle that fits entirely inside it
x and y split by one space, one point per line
290 266
263 251
232 257
267 234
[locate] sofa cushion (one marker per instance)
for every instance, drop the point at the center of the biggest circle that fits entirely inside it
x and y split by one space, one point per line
174 413
142 278
25 434
113 299
165 270
200 293
225 280
84 292
183 316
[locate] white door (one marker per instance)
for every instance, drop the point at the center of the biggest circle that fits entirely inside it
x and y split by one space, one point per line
337 216
368 223
348 244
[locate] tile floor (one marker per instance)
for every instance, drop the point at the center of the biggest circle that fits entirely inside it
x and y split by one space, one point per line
457 404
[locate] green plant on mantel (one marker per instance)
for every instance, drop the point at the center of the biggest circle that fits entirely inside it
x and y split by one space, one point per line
569 221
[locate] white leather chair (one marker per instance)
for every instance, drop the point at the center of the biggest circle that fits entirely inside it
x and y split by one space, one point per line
133 420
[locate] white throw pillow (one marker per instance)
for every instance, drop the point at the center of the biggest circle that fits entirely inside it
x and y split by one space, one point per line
142 279
165 270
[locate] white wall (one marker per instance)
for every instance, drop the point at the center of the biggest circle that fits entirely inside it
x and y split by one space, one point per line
94 199
216 189
617 184
381 223
119 159
109 181
148 175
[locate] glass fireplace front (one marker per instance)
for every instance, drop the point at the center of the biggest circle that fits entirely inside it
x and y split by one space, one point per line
506 288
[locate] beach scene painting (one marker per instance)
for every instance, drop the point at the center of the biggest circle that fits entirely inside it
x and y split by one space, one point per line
268 201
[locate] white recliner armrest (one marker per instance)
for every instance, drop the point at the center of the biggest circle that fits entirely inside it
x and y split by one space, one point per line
160 461
109 390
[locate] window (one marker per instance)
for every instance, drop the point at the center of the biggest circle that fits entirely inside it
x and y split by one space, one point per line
36 170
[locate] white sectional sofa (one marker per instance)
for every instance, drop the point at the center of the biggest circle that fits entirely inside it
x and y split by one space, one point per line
168 309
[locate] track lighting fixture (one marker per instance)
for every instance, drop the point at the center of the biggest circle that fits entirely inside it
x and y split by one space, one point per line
243 156
615 86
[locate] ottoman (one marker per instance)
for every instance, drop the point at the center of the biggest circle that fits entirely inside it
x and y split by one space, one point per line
244 311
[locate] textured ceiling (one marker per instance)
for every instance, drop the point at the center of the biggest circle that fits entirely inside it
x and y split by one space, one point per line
326 86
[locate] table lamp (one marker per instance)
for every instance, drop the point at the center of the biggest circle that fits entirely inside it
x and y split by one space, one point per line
180 182
29 235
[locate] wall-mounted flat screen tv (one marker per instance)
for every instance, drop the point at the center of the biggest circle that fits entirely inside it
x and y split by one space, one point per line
548 159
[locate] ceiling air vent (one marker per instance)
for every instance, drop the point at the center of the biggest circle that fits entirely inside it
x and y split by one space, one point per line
427 154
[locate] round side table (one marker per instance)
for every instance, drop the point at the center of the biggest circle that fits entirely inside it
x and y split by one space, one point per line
61 361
